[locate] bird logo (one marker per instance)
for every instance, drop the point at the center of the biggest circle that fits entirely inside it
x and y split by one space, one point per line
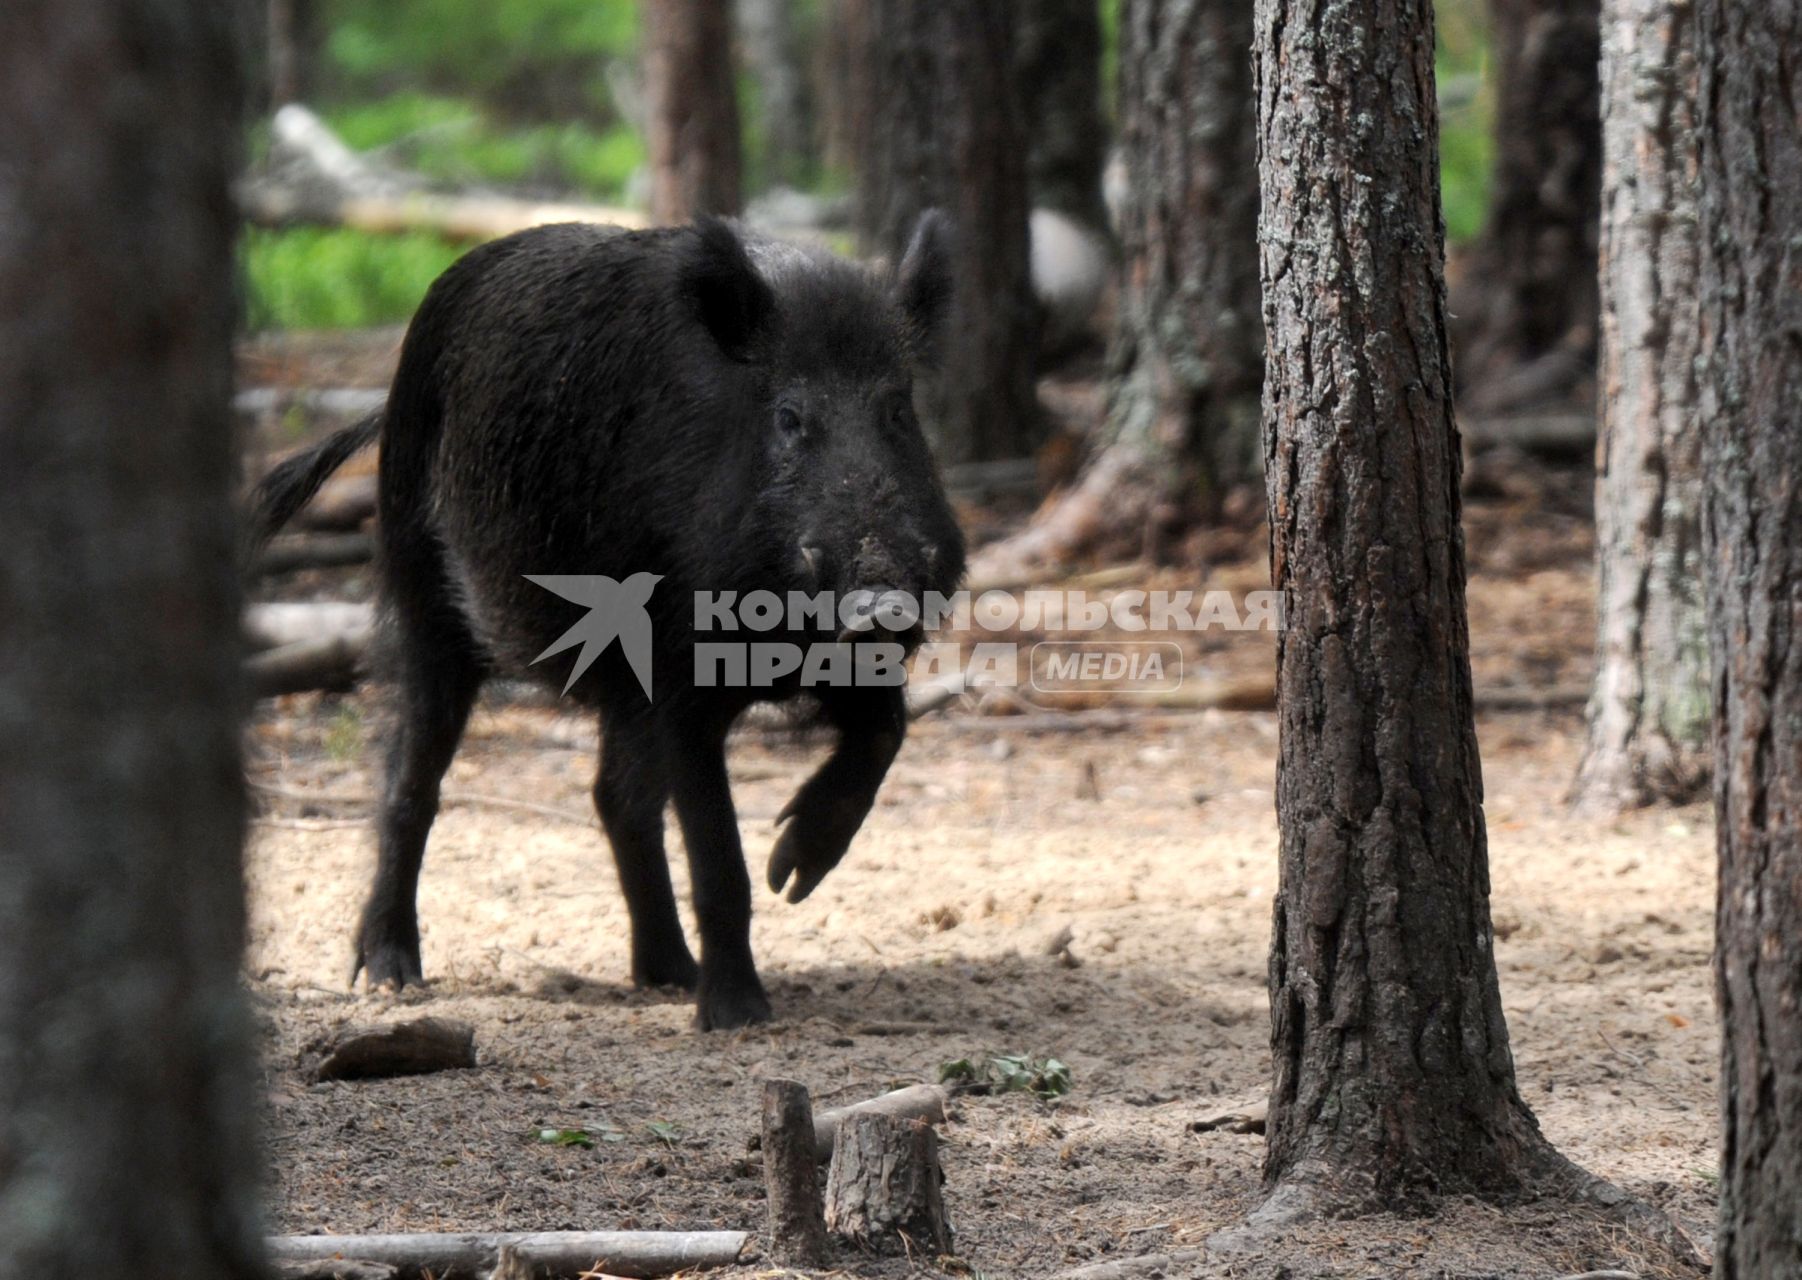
615 610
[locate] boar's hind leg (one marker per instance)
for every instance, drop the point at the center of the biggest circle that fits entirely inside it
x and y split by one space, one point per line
629 795
439 674
730 994
830 806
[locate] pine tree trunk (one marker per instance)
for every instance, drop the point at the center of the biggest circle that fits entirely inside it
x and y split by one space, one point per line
1751 165
692 106
1527 332
1058 55
1182 425
1648 712
126 1096
1393 1075
940 125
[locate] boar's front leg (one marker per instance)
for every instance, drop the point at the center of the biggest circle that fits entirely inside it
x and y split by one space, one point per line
830 806
730 994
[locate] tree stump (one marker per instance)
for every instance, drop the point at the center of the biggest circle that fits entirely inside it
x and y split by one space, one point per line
884 1183
791 1175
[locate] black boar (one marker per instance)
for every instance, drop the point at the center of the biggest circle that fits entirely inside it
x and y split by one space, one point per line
682 410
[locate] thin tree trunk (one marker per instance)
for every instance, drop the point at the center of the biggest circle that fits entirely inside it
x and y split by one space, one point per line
126 1097
1182 424
1648 715
293 47
1751 164
895 121
1393 1075
1058 55
1527 331
776 55
692 105
940 124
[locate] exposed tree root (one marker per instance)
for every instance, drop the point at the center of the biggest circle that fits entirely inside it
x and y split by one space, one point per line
1312 1194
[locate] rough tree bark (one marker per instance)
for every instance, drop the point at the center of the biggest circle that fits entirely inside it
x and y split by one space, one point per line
1057 52
1527 329
1393 1078
1751 149
1182 424
940 124
126 1096
691 102
1648 713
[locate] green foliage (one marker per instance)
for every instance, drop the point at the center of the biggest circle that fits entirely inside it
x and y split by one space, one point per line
451 139
477 48
335 278
1466 146
1466 156
1043 1078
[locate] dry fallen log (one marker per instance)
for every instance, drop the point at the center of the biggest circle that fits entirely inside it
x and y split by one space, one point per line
454 217
640 1254
315 178
336 1269
791 1176
315 551
1238 1117
883 1185
332 663
269 626
313 406
916 1102
342 504
414 1048
1556 434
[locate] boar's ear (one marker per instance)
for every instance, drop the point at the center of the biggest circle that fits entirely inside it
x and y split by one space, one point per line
923 283
730 299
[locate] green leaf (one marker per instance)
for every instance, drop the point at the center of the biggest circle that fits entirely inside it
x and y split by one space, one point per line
565 1137
1011 1073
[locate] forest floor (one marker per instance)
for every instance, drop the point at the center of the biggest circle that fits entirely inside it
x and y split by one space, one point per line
1095 892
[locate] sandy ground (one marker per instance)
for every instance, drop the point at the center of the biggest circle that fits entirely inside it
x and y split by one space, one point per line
1152 843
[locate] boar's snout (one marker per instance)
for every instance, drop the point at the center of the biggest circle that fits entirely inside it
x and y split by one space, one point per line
881 614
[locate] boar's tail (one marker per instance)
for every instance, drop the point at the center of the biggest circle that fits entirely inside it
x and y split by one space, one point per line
285 490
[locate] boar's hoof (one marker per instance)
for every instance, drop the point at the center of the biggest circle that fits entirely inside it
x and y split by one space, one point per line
388 964
728 1008
667 969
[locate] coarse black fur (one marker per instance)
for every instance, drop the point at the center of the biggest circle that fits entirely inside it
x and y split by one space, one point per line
726 413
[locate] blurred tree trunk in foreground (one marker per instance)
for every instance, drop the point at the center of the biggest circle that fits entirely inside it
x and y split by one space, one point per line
939 124
1394 1082
1182 425
1648 712
1058 52
1527 310
126 1097
1751 238
691 102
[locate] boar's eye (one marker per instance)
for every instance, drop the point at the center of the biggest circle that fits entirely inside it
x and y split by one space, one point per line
788 421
